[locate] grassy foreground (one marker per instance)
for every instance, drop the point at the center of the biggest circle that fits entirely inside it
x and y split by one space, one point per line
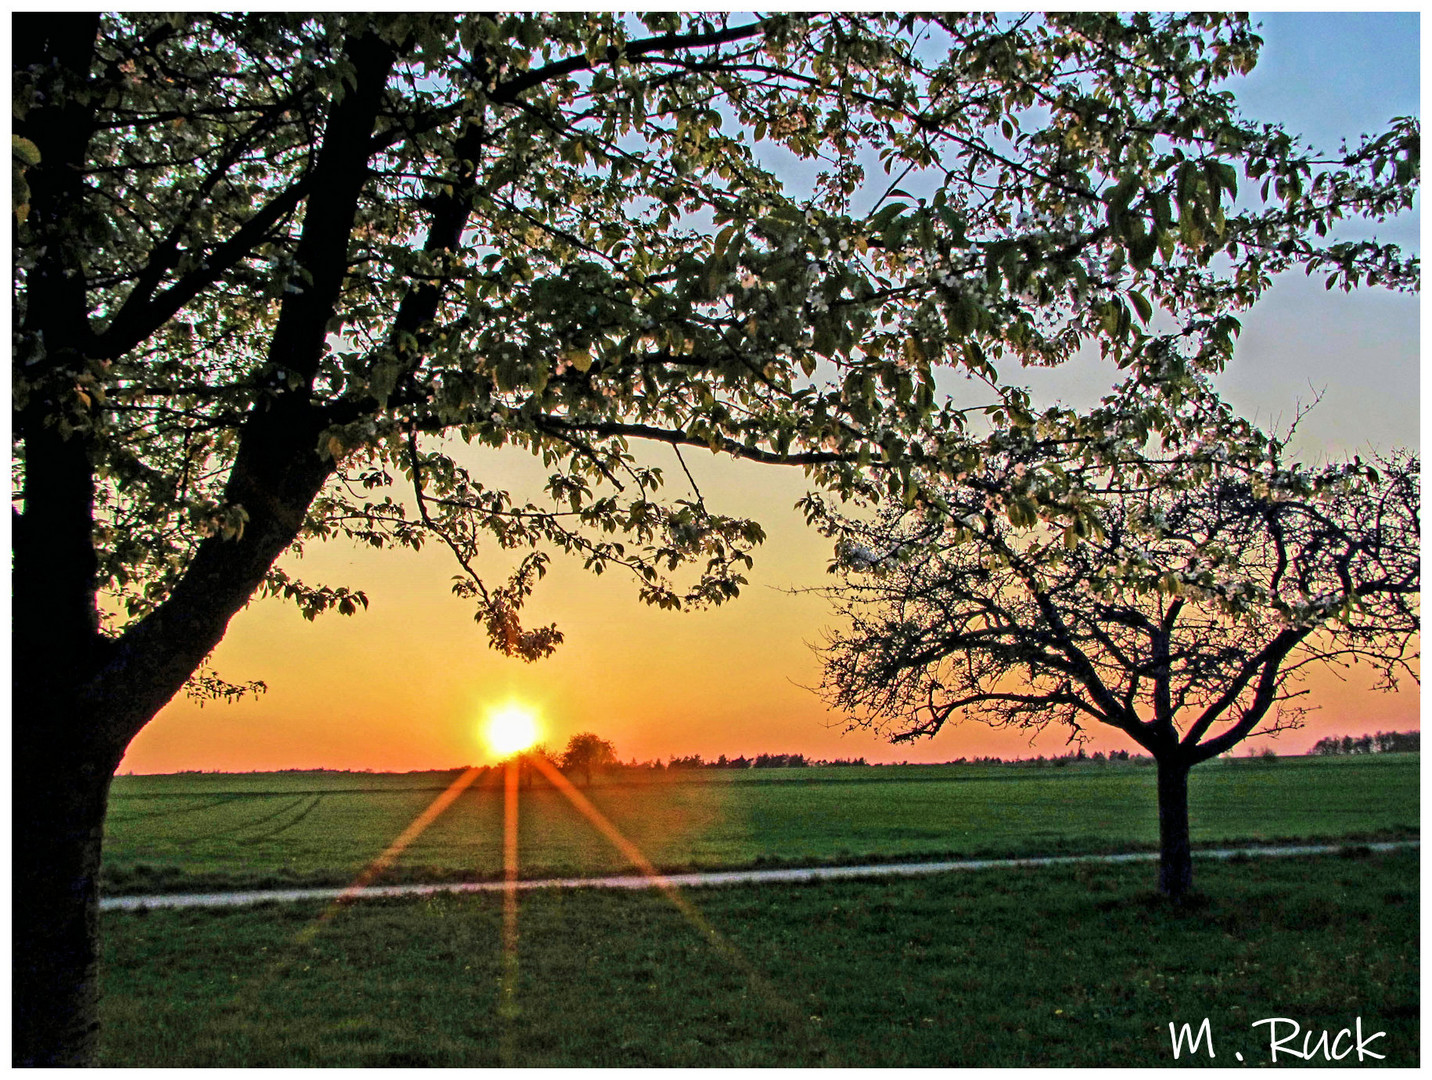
175 832
1069 966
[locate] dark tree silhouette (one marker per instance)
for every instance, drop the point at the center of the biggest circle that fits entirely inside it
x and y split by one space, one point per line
586 752
1184 614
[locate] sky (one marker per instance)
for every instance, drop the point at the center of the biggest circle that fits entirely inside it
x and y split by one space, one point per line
406 684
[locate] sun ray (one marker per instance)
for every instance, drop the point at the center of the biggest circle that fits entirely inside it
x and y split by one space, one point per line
507 1008
507 1005
390 854
600 820
780 1004
416 829
282 965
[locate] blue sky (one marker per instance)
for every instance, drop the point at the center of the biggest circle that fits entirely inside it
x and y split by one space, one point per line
1329 75
1326 76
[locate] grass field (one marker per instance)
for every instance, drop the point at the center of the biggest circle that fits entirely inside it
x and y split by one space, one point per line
1054 967
169 833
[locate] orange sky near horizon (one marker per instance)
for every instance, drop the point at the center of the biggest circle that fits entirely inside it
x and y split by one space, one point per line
404 685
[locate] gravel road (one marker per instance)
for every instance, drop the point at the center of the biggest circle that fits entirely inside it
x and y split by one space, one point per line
706 878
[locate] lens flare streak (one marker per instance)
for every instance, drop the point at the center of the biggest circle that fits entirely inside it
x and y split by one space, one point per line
416 829
507 1008
630 850
776 1001
385 859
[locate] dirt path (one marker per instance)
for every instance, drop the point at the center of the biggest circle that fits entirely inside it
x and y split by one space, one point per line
712 877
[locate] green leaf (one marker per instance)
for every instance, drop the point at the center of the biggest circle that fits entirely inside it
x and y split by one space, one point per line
885 215
26 152
1022 511
1118 199
1142 247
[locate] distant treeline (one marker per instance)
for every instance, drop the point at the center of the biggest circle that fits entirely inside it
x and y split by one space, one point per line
800 761
760 761
1384 742
1059 760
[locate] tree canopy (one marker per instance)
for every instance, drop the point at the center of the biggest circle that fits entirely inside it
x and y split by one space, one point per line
1185 614
402 233
586 752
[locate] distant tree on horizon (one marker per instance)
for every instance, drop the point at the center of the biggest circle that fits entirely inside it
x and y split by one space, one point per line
586 752
779 761
1184 614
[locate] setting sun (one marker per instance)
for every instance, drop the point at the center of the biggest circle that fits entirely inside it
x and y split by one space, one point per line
510 729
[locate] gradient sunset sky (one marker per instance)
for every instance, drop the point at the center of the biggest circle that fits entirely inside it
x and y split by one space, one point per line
405 685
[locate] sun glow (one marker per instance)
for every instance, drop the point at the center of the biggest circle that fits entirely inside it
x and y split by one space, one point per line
510 729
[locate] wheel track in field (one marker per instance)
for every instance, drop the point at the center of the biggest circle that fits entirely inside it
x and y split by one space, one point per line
719 877
290 823
122 818
234 830
311 798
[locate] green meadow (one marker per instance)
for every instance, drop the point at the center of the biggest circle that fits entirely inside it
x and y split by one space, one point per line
1056 966
170 833
1072 965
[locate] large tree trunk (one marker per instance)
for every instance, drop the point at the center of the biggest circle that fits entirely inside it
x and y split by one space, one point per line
1175 852
79 697
60 791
